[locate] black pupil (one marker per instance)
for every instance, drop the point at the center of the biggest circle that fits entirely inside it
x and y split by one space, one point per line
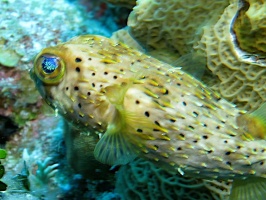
49 64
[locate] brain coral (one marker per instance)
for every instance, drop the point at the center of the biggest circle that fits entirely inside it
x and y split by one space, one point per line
142 180
227 35
172 25
240 73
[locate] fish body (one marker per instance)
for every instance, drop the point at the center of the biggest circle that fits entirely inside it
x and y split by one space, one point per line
142 106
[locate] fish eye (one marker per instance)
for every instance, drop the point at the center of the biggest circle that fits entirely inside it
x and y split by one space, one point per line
49 68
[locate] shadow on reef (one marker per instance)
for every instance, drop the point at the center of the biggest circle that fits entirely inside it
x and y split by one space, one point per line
7 129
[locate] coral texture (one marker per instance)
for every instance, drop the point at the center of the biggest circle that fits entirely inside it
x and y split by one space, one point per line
240 76
142 180
250 26
227 37
172 26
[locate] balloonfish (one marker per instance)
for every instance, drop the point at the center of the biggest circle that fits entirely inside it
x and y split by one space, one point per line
141 106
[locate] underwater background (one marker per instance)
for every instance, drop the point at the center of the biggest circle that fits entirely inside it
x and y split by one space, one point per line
209 39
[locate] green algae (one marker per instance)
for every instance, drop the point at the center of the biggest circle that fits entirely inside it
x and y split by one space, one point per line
3 186
8 57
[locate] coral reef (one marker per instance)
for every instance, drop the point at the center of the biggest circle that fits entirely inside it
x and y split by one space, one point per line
41 25
27 125
226 37
142 180
166 26
239 76
250 25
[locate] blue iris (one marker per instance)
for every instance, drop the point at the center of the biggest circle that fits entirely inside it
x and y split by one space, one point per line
49 64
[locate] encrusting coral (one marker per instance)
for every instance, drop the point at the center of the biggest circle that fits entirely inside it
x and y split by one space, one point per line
227 36
172 25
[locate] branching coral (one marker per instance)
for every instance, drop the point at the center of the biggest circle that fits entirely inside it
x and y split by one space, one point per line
142 180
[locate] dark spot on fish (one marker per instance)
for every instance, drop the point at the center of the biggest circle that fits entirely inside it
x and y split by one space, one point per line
232 135
137 101
132 63
262 151
157 147
172 120
210 151
166 92
184 103
139 130
67 88
205 125
228 163
79 105
227 153
255 149
261 163
225 141
80 116
77 69
223 122
121 70
191 127
205 137
147 114
217 127
178 84
157 123
88 93
89 58
138 60
182 135
158 68
179 148
93 84
195 141
105 73
166 74
93 74
115 77
76 88
238 147
195 113
78 60
156 129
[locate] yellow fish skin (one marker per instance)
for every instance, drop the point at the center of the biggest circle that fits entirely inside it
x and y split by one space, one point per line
145 107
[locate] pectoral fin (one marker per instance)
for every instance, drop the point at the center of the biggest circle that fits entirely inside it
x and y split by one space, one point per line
114 149
249 189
